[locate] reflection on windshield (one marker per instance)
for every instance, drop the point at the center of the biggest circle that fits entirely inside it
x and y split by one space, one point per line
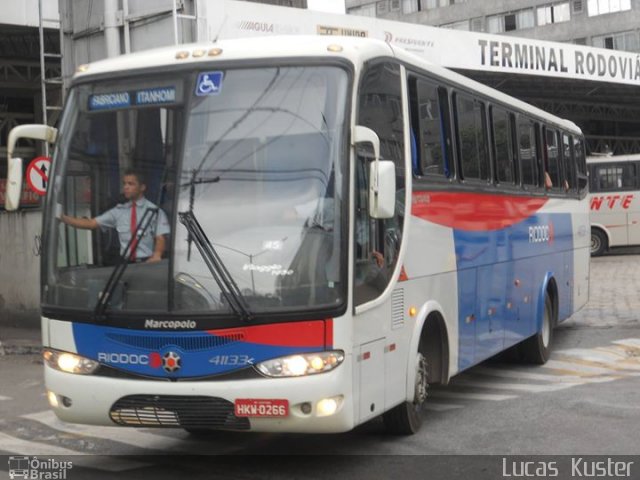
272 140
256 160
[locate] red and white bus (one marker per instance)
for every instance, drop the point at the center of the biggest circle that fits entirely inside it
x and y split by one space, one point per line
348 224
614 200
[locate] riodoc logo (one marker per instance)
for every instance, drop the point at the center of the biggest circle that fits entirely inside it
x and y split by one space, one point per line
541 233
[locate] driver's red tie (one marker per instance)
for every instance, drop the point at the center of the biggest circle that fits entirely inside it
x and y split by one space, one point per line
134 224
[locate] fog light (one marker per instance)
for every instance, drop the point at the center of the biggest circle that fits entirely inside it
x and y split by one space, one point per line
306 408
66 401
53 399
327 406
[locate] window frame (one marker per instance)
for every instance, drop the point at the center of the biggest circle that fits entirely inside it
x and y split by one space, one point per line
515 182
476 100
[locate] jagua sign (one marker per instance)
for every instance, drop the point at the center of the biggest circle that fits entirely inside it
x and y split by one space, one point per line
543 58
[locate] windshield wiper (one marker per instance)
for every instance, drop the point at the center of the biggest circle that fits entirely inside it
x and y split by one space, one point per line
106 294
219 272
192 195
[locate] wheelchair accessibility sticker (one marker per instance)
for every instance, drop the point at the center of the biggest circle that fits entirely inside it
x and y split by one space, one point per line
209 83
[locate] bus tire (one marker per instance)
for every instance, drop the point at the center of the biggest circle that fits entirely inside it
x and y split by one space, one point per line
406 418
598 242
537 349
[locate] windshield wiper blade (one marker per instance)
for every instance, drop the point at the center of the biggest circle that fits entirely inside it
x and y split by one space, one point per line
221 275
123 262
192 195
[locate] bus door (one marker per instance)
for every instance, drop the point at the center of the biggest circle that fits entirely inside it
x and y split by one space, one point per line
376 248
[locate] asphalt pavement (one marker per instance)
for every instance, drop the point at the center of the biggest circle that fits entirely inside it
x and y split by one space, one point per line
584 401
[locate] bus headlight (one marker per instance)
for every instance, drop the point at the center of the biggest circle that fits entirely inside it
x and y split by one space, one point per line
69 362
303 364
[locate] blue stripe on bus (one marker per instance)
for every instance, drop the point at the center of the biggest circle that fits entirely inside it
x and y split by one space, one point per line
501 274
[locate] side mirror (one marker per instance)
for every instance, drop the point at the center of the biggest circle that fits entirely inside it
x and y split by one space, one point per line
14 165
382 189
14 184
382 176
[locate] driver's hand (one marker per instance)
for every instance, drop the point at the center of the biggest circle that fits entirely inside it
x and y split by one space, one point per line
379 258
154 259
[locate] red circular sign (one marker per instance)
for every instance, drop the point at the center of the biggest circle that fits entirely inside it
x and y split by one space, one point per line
38 174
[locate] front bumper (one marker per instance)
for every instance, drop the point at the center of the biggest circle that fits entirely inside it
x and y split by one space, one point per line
91 400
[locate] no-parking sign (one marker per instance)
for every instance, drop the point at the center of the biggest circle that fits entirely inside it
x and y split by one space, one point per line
38 174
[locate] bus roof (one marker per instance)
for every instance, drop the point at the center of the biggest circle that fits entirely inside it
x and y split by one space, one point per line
356 50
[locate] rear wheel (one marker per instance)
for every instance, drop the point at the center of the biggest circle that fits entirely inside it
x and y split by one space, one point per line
406 418
598 242
538 348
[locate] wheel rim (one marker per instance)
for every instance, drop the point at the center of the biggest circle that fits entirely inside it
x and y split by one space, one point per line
596 243
421 380
546 327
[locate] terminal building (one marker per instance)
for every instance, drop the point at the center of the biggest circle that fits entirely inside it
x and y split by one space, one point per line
41 45
609 115
613 24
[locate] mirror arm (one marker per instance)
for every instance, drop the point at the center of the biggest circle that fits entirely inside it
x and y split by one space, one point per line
366 135
35 131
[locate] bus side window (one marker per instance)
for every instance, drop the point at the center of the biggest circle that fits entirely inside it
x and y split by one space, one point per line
581 164
568 163
430 127
527 151
615 177
552 157
471 132
629 177
502 147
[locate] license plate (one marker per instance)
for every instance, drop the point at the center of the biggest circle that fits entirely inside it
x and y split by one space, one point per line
261 407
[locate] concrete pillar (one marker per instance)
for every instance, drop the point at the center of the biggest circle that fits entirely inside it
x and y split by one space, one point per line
111 28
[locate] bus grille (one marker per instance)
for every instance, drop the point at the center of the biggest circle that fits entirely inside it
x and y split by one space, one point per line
188 343
176 411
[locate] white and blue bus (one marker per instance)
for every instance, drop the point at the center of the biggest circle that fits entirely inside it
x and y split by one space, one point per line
348 224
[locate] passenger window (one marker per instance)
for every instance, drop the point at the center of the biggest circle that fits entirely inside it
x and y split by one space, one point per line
502 147
569 165
527 147
472 146
553 174
610 178
430 127
377 242
581 163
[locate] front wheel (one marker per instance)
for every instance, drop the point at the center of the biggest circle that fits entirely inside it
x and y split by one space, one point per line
406 418
598 242
537 349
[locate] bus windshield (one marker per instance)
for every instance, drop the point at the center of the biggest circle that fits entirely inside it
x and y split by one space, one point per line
238 181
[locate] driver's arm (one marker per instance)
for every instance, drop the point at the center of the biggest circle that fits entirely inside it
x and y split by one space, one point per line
83 223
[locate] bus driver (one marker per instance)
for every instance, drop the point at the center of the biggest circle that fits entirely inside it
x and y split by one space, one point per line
125 217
